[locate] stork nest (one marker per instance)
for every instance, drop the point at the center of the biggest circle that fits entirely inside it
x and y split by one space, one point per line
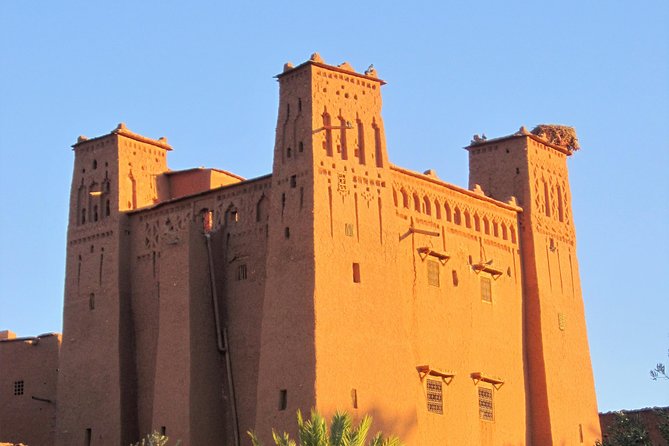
560 135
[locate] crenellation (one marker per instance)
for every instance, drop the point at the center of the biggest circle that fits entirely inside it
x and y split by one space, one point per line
498 224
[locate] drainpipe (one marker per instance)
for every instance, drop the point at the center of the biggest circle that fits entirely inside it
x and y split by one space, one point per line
222 340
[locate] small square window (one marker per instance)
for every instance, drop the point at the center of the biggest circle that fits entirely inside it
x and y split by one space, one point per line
435 400
241 272
433 273
486 410
208 220
486 289
18 387
348 229
356 273
283 399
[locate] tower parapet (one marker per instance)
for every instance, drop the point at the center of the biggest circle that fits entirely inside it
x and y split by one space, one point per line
532 166
113 174
332 112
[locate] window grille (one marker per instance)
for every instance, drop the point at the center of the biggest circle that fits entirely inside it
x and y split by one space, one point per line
433 273
18 387
562 321
435 400
341 182
486 289
485 404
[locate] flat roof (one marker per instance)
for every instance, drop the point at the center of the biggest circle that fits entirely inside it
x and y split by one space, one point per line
185 197
121 129
176 172
331 68
520 134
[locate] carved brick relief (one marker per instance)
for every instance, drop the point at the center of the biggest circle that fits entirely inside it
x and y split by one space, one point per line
552 211
459 213
165 227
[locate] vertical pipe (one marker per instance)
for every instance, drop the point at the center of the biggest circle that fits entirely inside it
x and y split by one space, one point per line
222 342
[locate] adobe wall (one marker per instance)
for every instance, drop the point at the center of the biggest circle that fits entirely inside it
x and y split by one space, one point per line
452 327
193 181
183 385
286 376
97 383
362 311
561 391
28 379
375 317
188 182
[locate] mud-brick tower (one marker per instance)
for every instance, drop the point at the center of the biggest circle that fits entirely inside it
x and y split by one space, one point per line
329 322
112 174
562 407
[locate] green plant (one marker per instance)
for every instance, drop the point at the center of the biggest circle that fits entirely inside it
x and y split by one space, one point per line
314 432
663 425
660 371
627 430
154 439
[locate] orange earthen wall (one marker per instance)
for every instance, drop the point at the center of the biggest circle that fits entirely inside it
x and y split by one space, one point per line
287 347
97 386
169 245
28 376
453 328
193 181
562 397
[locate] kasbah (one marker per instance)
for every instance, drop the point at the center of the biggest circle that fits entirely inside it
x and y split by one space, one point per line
202 304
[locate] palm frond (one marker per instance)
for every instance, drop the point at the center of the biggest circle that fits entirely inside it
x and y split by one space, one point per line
254 438
282 440
313 432
358 437
392 441
340 429
378 440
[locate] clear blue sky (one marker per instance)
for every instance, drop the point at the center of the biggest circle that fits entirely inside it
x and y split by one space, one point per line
200 73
